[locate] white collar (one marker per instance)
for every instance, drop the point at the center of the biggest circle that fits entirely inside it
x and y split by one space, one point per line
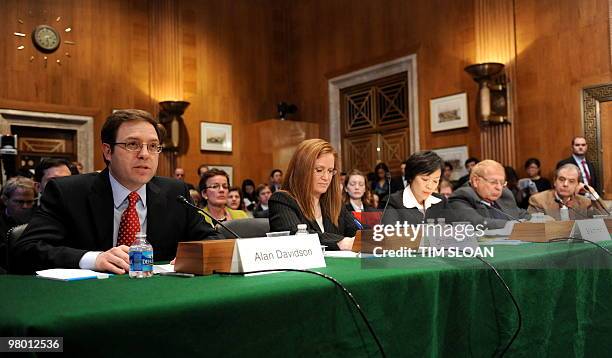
120 192
410 201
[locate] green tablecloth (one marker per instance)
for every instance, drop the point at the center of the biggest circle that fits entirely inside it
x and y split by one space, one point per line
424 307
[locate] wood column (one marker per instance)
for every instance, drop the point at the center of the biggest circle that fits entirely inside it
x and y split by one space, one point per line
165 65
495 42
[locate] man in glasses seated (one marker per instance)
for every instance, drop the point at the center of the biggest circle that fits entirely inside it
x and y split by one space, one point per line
18 197
89 221
486 200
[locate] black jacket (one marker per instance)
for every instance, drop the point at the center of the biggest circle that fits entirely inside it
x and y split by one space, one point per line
285 215
76 216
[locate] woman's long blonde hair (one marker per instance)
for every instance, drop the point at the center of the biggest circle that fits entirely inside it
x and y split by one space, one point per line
299 184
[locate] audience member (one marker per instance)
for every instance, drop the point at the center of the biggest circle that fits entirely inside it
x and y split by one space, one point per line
203 168
356 192
512 183
446 188
87 221
48 169
263 196
311 195
179 174
196 198
534 183
380 186
80 169
419 201
18 197
549 202
578 158
248 192
486 200
399 182
447 172
469 164
276 180
214 188
234 199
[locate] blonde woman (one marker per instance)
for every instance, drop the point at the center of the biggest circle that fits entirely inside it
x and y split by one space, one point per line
311 195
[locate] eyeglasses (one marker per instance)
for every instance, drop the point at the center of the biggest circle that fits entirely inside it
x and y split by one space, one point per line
136 146
218 187
23 202
320 171
495 182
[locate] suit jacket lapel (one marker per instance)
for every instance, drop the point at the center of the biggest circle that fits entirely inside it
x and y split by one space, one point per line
155 210
101 209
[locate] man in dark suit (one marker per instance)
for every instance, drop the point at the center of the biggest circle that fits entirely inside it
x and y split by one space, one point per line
399 182
484 200
578 158
89 221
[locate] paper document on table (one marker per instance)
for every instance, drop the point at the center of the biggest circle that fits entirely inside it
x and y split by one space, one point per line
340 254
163 268
505 231
71 274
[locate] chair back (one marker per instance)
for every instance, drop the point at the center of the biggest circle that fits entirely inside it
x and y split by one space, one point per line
246 228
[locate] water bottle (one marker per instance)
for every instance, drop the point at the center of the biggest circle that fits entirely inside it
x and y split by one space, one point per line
564 213
141 257
302 229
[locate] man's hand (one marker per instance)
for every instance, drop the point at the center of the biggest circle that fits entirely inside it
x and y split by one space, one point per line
115 260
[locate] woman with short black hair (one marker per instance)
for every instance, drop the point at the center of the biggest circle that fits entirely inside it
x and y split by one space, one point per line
420 200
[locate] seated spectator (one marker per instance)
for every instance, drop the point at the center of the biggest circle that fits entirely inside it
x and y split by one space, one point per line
447 173
549 202
234 199
18 197
469 164
196 198
486 200
249 195
48 169
512 182
357 199
398 183
419 201
534 183
203 168
80 169
276 179
179 174
214 188
446 188
263 195
380 186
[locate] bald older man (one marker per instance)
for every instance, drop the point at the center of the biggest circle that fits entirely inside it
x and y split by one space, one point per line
486 200
549 202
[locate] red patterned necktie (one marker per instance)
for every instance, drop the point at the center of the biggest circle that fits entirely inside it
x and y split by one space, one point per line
586 172
130 224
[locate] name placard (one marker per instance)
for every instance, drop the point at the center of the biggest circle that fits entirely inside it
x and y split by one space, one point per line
283 252
591 229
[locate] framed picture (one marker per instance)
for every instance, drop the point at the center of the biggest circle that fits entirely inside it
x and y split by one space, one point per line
226 168
449 112
457 157
216 137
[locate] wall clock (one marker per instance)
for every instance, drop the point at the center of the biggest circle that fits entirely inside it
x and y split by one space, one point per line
46 39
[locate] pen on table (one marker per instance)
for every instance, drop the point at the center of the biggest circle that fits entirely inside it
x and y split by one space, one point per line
176 274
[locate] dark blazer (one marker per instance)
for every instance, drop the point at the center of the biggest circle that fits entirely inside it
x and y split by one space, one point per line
259 212
76 216
397 184
592 171
285 215
397 212
466 206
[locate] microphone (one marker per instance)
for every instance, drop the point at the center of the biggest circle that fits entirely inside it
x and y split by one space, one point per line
181 199
558 201
388 177
597 198
487 204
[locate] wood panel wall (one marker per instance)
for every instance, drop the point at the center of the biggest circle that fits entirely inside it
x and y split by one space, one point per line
237 59
331 38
